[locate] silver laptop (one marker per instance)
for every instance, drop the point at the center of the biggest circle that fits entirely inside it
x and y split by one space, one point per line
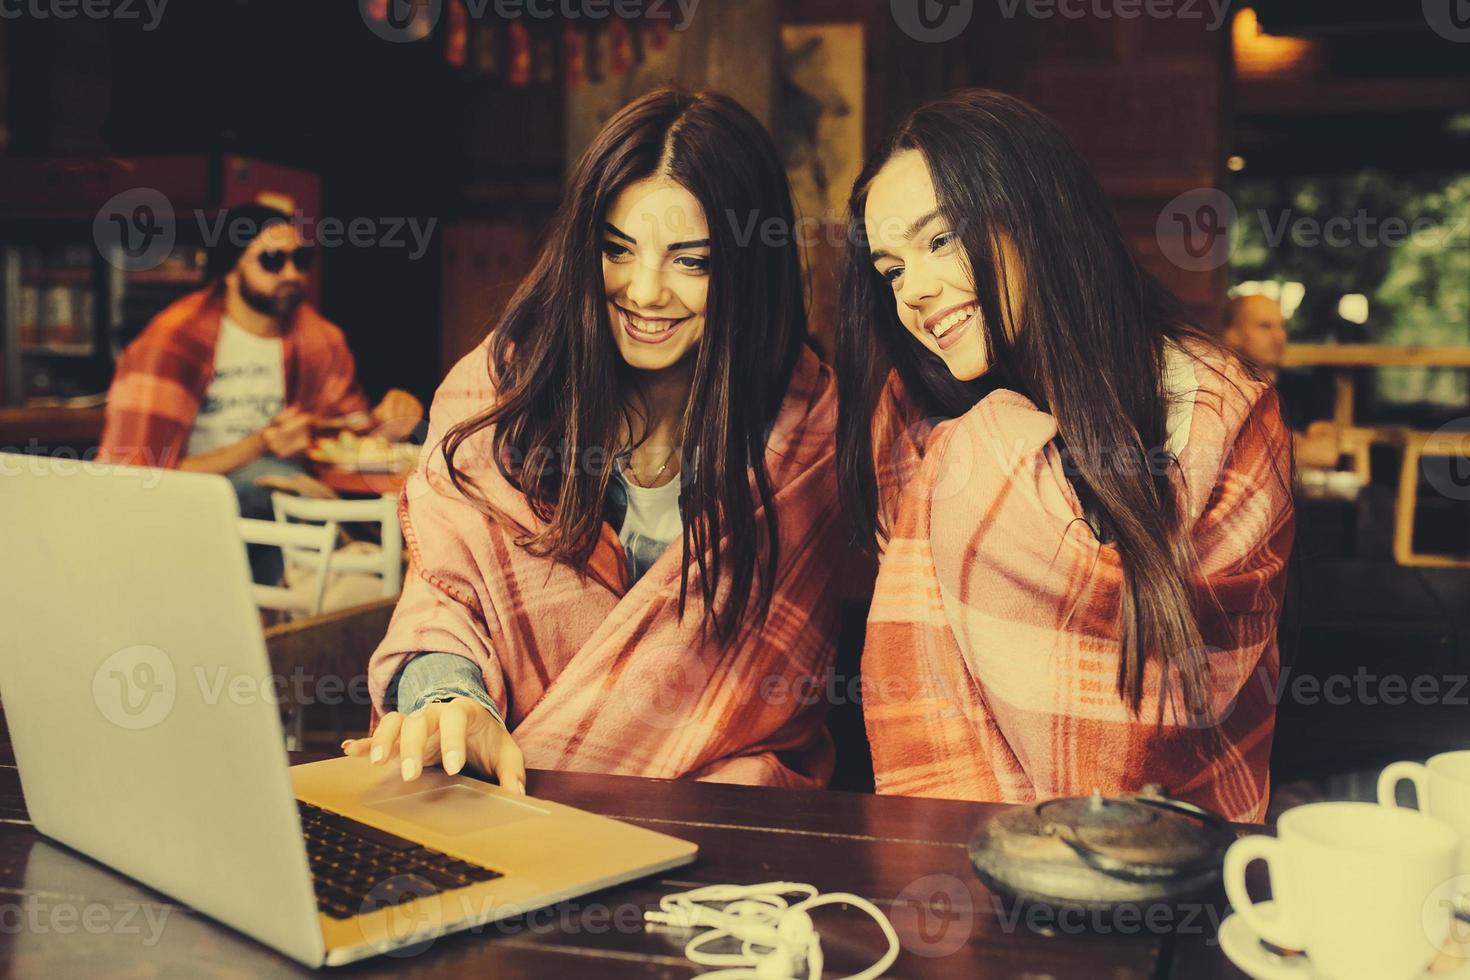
146 727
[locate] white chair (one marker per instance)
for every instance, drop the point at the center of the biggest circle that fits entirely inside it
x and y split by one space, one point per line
303 543
385 561
308 542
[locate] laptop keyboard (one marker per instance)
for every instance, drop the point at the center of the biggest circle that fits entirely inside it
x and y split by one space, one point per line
358 868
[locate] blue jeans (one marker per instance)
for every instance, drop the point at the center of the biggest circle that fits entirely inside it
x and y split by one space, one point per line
266 564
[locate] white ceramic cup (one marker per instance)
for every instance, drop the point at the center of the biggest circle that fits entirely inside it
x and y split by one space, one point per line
1443 788
1355 885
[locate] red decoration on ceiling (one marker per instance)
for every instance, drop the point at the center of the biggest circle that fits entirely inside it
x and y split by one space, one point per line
620 47
457 38
520 54
574 43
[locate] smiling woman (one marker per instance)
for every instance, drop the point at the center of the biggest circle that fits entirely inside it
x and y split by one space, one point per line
600 579
1081 502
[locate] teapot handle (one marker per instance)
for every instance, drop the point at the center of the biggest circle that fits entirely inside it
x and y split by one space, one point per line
1208 817
1129 871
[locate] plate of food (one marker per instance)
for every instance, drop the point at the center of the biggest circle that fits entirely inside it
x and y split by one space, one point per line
364 454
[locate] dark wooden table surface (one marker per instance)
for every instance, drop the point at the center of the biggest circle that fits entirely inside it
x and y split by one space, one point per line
63 915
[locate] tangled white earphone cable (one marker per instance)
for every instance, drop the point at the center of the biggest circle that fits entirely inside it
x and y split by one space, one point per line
778 940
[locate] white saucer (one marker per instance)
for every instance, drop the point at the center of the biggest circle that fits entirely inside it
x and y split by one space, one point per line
1243 948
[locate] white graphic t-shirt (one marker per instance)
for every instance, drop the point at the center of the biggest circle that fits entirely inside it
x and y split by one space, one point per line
247 391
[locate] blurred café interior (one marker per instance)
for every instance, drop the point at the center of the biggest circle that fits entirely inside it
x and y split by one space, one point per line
453 147
1297 172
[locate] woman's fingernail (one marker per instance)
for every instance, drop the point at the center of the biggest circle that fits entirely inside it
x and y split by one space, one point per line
379 753
410 768
453 761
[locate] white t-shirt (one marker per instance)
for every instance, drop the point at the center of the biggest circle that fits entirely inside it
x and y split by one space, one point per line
247 391
651 523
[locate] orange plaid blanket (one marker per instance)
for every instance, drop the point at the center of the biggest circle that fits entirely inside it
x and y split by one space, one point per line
594 675
163 374
992 646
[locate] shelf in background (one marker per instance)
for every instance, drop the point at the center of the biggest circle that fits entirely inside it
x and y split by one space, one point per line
58 350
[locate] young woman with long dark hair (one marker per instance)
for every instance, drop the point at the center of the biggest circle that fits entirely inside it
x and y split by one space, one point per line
622 533
1081 502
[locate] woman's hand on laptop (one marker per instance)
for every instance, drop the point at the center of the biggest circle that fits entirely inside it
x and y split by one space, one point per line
454 732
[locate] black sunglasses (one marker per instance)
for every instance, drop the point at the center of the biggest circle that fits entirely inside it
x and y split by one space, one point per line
274 260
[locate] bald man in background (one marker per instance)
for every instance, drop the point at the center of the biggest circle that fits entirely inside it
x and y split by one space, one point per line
1257 329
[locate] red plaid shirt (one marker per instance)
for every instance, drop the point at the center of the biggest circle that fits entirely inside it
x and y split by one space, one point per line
162 376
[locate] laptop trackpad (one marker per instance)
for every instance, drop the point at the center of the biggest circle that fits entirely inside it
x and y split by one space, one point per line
455 809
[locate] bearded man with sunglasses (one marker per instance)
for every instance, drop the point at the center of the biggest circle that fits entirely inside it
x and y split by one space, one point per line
233 378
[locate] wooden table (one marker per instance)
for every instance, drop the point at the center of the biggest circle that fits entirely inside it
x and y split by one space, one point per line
1345 358
63 915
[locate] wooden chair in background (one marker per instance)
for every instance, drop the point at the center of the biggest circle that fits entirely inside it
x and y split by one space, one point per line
1418 445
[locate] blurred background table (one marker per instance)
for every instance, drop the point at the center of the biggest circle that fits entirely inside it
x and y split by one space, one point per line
360 482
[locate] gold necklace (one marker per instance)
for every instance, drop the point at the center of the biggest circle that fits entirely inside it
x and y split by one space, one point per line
628 472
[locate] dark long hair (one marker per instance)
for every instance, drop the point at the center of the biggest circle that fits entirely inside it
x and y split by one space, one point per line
563 388
1089 349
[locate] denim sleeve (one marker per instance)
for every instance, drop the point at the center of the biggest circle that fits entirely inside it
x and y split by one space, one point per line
437 675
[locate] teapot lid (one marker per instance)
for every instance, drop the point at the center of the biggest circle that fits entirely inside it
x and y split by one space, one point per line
1097 849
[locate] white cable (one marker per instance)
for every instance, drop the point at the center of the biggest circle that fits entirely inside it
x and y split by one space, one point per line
778 940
